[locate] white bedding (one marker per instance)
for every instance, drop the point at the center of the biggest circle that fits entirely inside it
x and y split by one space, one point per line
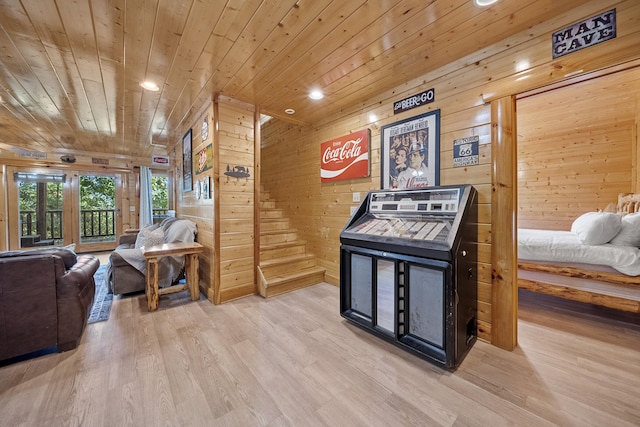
564 246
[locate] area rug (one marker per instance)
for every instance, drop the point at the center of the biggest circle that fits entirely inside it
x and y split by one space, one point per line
102 300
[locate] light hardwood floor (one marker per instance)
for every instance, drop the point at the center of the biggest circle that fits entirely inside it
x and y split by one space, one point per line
293 361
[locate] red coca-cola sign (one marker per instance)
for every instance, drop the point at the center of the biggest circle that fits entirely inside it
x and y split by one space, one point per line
346 157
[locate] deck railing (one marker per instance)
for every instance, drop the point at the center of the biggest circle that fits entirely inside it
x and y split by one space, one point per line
53 224
94 223
97 223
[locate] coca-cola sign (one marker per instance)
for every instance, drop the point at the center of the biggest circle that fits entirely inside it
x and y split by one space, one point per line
346 157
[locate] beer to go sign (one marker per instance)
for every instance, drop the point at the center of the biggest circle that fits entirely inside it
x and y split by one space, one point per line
414 101
346 157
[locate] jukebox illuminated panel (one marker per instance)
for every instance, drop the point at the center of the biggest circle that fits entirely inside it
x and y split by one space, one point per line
408 270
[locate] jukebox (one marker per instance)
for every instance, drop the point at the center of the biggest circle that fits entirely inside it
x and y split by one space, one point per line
408 269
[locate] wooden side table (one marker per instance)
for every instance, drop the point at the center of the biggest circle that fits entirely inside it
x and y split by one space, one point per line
191 265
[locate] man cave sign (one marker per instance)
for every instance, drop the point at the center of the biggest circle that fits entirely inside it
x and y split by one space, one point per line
589 32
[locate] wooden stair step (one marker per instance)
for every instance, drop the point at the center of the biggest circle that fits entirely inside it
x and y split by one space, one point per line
284 249
267 204
269 232
271 213
285 259
273 246
292 281
278 236
279 266
271 224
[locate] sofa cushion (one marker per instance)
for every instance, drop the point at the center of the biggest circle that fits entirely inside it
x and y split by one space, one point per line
68 256
149 236
127 240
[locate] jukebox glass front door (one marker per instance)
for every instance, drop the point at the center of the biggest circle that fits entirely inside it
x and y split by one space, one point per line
426 304
361 269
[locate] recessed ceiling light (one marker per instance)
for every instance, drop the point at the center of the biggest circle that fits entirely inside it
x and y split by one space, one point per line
522 65
290 111
316 94
150 86
483 3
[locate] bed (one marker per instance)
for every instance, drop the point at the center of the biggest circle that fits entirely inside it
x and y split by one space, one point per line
605 272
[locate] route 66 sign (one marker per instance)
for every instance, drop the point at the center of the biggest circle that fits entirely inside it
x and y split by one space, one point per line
465 151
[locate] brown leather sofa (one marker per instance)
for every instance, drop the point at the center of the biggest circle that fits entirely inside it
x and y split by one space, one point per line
45 298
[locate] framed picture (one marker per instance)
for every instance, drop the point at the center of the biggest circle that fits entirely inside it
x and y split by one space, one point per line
196 190
410 152
187 163
206 192
204 159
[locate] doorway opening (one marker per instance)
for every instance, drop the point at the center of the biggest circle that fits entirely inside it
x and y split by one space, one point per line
574 158
97 209
160 196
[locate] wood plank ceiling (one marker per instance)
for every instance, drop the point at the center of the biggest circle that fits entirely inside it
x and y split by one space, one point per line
71 69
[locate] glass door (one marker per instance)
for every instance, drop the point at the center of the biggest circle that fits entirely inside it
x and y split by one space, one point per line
98 207
160 192
40 200
50 207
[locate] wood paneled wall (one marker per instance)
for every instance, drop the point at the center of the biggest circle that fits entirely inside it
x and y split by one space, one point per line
319 211
224 220
576 146
198 209
291 153
290 158
236 201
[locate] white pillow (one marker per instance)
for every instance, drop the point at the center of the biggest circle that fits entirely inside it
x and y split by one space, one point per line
150 236
629 234
596 228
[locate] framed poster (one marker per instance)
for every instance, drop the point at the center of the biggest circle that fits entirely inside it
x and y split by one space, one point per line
204 159
410 152
187 163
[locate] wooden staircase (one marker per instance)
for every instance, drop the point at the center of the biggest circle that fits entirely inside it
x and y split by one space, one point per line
284 263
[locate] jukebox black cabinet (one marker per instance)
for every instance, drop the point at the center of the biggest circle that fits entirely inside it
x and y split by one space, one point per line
408 268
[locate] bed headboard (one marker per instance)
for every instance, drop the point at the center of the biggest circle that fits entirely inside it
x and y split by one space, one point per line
628 203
